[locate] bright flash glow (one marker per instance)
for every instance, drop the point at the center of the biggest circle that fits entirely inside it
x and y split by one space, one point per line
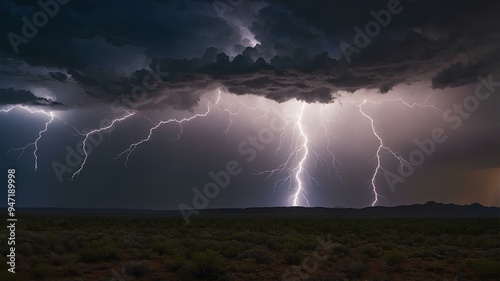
246 34
295 142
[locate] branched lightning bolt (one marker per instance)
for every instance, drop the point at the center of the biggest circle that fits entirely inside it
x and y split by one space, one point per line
40 133
294 166
382 146
231 113
300 189
133 146
413 105
87 135
333 160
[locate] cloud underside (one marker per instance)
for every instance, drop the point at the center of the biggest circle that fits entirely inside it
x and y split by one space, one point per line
10 96
298 55
320 78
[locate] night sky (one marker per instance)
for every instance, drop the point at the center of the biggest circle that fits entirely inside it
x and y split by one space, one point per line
306 103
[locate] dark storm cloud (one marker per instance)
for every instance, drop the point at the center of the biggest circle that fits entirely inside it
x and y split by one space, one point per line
449 43
61 77
460 73
11 96
174 28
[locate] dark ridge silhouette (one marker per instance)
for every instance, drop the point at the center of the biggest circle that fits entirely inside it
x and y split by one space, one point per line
429 209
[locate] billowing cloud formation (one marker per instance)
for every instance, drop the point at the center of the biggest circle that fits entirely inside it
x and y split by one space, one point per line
21 97
460 74
298 54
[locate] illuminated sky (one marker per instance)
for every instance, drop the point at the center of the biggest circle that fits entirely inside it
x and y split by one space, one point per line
196 86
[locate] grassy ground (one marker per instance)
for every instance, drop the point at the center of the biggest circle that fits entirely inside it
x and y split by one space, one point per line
103 248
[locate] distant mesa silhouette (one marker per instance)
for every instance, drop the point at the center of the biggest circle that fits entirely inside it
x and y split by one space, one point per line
429 209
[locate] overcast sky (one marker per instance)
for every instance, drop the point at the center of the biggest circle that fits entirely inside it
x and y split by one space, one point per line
306 103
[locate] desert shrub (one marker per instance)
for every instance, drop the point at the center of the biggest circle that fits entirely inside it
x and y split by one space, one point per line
155 276
71 269
292 257
179 262
42 270
193 243
273 243
34 260
423 253
59 249
56 259
231 249
111 253
89 255
207 264
247 268
393 257
356 270
418 238
136 268
444 250
35 227
340 249
371 251
51 240
435 266
486 268
386 245
94 254
432 241
163 248
143 254
330 277
3 263
243 236
25 249
5 275
261 255
39 249
72 246
309 244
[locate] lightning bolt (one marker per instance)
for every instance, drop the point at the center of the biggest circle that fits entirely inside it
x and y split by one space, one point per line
294 166
87 135
382 147
209 107
241 104
333 160
299 191
40 133
424 104
133 146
